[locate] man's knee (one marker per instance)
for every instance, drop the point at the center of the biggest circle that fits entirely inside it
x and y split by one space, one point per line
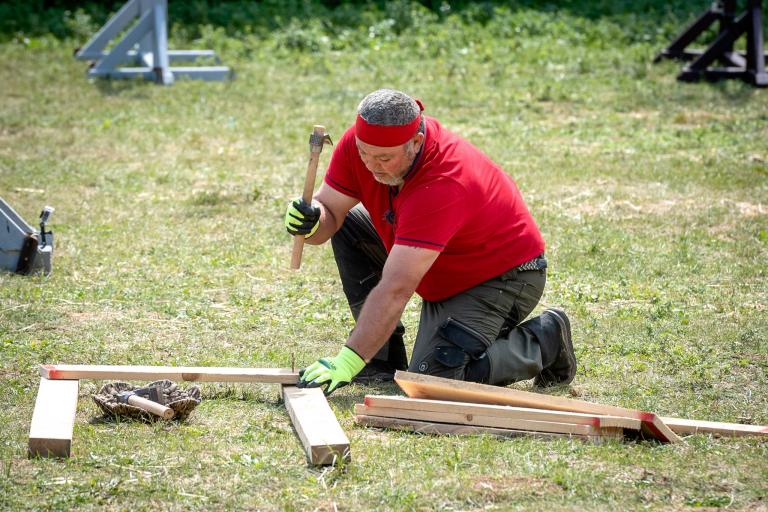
455 347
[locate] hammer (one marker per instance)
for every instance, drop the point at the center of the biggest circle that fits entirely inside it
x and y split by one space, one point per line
136 399
316 141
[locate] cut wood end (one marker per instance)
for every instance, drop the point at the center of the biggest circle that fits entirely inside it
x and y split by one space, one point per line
49 448
330 455
48 371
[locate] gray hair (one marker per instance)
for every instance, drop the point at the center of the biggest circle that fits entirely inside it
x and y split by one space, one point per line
388 107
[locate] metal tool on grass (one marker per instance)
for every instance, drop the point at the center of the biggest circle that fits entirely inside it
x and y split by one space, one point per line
22 248
152 404
316 141
121 399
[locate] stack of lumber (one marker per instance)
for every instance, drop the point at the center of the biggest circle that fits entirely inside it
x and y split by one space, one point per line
444 416
444 406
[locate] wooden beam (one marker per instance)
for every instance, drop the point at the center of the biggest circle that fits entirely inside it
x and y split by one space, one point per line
502 411
50 432
176 373
477 420
417 385
320 433
424 427
684 426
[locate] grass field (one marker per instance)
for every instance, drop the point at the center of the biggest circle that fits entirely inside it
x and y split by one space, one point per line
169 249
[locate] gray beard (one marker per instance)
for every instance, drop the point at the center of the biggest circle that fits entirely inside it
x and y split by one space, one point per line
391 181
396 182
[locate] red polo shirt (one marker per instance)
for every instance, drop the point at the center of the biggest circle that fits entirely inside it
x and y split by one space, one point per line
455 200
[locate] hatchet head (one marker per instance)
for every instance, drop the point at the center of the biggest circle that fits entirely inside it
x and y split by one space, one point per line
150 393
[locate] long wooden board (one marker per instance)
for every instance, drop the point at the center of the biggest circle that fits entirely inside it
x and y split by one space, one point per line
478 420
423 427
417 385
320 433
684 426
50 432
177 373
502 411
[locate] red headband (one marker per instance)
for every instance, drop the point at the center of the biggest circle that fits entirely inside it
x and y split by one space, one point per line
387 136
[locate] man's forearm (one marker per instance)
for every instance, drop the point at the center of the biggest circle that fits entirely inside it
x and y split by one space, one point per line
377 320
328 226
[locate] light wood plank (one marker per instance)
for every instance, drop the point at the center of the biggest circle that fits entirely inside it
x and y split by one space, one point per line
478 420
502 411
423 427
50 432
685 426
418 385
176 373
320 433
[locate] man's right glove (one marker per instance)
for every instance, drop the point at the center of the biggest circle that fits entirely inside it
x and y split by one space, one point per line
302 218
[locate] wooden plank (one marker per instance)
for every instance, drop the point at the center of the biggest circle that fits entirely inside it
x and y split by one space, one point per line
176 373
478 420
423 427
53 420
503 411
684 426
320 433
417 385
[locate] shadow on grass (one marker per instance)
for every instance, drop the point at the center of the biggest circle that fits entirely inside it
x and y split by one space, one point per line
134 86
356 393
106 419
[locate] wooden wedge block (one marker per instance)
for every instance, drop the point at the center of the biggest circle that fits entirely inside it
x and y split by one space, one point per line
477 420
177 373
417 385
423 427
320 433
53 420
683 426
503 411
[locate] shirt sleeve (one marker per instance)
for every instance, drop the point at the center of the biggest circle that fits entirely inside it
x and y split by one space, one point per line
432 215
340 174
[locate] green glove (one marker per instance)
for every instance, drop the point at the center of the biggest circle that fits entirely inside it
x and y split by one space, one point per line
333 373
302 218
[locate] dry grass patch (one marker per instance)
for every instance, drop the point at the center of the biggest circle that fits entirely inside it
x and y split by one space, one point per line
504 488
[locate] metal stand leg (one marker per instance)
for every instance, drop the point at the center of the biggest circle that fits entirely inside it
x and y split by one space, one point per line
748 66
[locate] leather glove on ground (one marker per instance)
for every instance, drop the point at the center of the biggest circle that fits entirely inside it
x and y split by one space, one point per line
302 218
332 372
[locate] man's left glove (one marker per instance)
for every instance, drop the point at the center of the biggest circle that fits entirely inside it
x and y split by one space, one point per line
332 372
302 218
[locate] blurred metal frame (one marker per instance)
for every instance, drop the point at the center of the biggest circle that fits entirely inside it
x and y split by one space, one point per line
748 66
145 45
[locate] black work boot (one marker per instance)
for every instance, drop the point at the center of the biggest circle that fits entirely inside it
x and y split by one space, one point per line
375 372
563 369
391 358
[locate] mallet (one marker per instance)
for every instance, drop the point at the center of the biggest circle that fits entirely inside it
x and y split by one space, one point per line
135 399
316 141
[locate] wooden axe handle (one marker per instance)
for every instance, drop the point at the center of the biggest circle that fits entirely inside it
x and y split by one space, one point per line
315 147
150 406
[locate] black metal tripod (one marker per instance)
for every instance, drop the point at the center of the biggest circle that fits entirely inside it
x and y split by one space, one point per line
748 66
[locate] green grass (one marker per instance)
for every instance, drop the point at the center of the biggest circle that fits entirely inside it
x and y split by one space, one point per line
651 194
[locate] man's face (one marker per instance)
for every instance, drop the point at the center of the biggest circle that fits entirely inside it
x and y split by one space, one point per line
389 164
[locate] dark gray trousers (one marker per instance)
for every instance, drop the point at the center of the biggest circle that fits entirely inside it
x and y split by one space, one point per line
491 312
